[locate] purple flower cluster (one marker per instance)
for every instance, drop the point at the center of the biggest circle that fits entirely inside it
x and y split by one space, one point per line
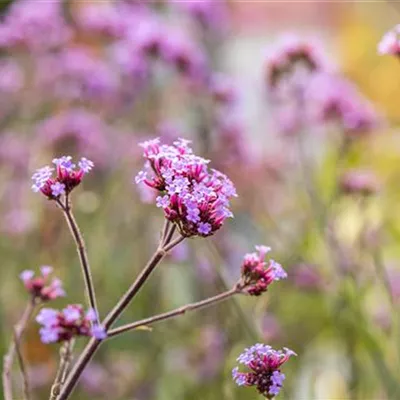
41 287
264 363
72 321
334 98
390 43
67 176
32 27
362 182
193 197
210 14
257 275
289 54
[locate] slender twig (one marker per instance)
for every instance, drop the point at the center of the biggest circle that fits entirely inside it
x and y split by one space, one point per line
115 313
65 361
21 362
81 249
169 235
9 357
174 243
174 313
166 227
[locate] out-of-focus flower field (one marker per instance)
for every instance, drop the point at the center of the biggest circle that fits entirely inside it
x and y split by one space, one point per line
294 103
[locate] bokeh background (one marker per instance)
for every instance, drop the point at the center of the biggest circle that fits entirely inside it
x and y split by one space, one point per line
86 78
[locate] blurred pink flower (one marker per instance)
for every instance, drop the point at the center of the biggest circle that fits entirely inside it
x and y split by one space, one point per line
36 28
362 182
390 43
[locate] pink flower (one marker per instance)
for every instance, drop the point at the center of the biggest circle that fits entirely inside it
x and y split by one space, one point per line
264 364
191 196
42 287
72 321
257 275
67 177
390 43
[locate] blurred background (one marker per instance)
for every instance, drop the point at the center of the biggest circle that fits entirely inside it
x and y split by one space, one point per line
292 101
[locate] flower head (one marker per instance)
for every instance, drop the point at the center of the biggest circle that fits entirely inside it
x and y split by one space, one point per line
42 287
390 43
289 54
362 182
67 176
264 372
257 274
58 326
192 196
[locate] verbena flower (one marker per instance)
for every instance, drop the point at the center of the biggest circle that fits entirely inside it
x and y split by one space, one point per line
257 274
72 321
264 365
362 182
35 28
42 287
191 196
333 98
287 55
390 43
68 176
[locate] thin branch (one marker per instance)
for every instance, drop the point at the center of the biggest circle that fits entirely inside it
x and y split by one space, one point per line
9 357
81 249
169 235
116 312
21 362
174 313
174 243
65 361
164 233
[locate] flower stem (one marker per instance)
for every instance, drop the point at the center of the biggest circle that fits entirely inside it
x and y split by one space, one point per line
174 313
115 313
81 249
65 360
12 350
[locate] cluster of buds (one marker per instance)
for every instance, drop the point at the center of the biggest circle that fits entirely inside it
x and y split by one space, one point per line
264 363
290 54
257 274
194 198
42 287
359 182
68 176
390 43
72 321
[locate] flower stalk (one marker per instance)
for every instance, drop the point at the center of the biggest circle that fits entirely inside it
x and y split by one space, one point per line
8 360
81 249
174 313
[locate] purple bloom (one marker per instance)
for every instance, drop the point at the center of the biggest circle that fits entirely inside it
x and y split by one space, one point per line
279 272
204 228
26 275
49 334
71 314
57 189
67 177
58 326
42 287
257 275
263 363
64 162
47 317
162 202
190 194
41 176
85 165
98 332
